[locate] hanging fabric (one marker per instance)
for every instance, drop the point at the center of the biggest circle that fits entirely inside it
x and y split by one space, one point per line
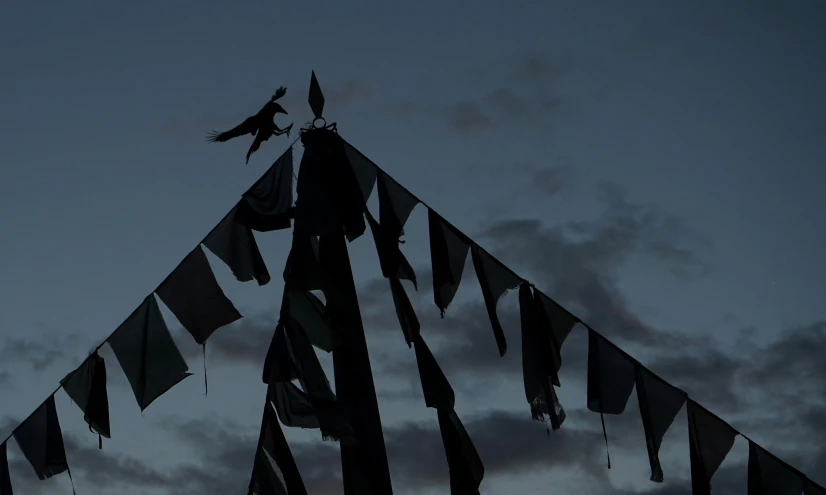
709 441
391 259
149 357
538 367
437 391
448 252
330 199
272 443
659 404
395 205
768 475
86 386
302 271
266 205
5 477
195 298
556 324
495 279
309 313
813 488
235 245
465 465
408 320
279 364
611 378
41 441
363 168
364 462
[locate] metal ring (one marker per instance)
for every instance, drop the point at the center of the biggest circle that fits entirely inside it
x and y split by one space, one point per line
319 126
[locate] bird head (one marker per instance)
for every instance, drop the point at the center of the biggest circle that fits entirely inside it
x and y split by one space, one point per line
279 109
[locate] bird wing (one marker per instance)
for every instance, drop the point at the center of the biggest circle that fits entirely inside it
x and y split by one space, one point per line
279 93
256 143
248 126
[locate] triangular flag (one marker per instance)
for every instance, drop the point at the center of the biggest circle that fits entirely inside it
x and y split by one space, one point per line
556 324
41 441
275 443
279 364
235 245
813 488
437 390
408 320
709 441
294 406
309 312
86 386
145 350
768 475
363 168
392 260
659 404
537 366
611 376
495 279
266 205
395 205
448 252
195 298
5 478
465 466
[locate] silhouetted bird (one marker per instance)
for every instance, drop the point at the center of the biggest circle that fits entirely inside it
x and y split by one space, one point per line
260 125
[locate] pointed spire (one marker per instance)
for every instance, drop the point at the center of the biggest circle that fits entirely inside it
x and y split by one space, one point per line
316 98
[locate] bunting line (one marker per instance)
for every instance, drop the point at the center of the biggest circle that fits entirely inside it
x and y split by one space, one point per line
100 346
630 358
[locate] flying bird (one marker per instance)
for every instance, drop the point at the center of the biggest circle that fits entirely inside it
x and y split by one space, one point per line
260 125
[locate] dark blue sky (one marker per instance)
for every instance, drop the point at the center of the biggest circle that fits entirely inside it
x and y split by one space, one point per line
656 166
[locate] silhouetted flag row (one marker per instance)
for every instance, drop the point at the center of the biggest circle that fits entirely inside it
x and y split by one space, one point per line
143 345
612 374
331 201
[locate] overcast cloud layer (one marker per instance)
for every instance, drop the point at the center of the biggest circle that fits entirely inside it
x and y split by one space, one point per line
655 169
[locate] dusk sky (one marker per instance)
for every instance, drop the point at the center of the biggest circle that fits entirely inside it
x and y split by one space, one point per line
656 167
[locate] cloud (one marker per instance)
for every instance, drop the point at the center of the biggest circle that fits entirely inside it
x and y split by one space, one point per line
41 352
522 91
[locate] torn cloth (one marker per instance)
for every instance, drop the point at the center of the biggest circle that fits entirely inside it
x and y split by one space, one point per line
768 475
273 444
195 298
537 366
709 441
495 279
392 261
463 461
659 404
448 252
395 205
41 441
86 386
437 390
147 354
555 325
265 206
235 245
